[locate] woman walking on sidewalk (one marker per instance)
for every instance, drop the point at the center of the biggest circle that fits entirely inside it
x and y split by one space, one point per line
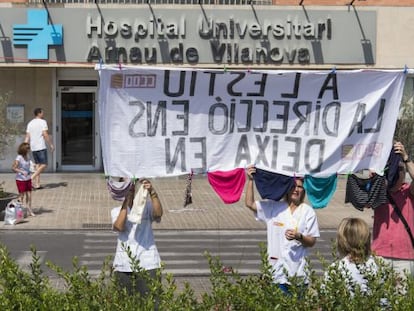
37 135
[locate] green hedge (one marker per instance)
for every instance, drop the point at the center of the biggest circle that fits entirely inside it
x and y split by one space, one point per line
20 290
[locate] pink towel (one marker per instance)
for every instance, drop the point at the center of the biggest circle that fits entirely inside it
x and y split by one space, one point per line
228 185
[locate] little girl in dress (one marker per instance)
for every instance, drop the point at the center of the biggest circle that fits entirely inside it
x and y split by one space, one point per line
21 166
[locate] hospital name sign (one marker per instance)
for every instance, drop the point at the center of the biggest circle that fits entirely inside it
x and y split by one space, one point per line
179 40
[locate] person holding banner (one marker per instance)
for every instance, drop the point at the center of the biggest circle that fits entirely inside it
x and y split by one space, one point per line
292 228
394 221
133 222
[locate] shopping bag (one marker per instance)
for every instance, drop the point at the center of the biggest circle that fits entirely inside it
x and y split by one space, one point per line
13 213
32 167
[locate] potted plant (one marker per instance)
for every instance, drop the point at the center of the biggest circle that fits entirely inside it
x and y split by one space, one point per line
8 131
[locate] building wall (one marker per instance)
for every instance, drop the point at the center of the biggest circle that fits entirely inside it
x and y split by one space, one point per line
32 84
275 2
30 87
395 35
395 31
345 2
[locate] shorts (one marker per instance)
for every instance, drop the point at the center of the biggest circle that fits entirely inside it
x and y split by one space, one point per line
135 283
40 156
24 185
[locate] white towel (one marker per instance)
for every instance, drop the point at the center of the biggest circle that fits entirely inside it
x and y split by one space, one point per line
138 206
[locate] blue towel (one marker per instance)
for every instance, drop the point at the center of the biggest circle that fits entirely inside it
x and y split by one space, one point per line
392 171
272 185
320 189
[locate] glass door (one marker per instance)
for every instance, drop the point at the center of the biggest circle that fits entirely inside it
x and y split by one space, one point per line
78 133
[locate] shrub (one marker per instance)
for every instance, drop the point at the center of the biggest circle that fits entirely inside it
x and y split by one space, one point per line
21 290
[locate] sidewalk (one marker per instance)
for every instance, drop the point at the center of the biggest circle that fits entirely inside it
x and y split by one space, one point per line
80 201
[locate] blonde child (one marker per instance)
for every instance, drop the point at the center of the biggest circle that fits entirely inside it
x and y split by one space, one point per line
354 247
21 166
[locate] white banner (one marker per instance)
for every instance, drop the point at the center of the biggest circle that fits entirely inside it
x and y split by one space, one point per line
165 122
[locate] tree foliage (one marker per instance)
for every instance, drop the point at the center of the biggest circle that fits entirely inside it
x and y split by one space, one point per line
404 130
8 130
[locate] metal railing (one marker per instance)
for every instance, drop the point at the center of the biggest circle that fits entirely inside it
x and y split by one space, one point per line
172 2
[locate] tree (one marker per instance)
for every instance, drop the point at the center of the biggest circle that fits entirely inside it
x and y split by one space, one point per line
8 130
405 125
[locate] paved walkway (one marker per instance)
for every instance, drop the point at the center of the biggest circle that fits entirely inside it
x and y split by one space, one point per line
81 201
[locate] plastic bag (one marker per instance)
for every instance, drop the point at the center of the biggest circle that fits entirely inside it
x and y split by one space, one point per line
14 213
32 167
